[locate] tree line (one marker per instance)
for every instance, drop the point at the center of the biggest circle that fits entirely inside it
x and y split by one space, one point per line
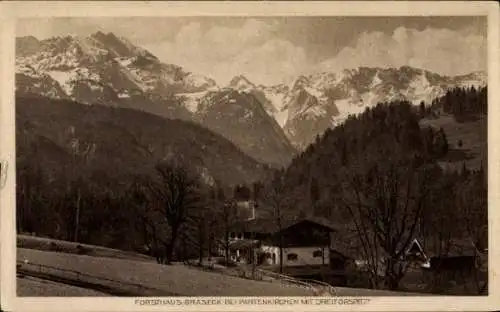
463 103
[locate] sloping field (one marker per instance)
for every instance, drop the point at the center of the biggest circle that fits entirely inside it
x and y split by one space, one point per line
178 279
33 287
49 244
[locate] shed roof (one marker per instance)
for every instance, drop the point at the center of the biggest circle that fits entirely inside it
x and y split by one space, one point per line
345 241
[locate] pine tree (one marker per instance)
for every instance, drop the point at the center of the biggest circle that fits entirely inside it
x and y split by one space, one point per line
422 109
441 143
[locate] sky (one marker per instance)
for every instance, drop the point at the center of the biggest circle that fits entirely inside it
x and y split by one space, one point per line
271 50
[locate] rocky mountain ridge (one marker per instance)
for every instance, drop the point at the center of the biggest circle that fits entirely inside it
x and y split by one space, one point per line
267 122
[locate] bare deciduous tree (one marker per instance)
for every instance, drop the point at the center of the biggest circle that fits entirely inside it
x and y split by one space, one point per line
223 215
275 198
176 193
147 220
386 205
228 213
216 196
473 210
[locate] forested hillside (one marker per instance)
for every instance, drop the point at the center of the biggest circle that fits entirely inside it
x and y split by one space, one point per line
74 157
383 178
395 133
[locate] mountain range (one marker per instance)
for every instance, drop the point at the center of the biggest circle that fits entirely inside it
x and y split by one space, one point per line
268 123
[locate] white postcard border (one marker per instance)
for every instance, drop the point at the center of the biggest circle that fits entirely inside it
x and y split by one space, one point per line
11 10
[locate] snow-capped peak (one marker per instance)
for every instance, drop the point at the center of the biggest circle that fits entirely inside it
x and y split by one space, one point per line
105 58
241 83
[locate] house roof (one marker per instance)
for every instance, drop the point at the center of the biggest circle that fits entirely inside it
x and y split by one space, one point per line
415 245
270 225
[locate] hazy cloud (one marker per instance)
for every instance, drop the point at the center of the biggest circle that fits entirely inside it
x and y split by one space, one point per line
445 51
136 29
252 49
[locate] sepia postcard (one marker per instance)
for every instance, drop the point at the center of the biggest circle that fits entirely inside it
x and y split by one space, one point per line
275 156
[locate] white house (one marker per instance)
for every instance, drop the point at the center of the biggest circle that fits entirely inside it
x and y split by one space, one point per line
305 242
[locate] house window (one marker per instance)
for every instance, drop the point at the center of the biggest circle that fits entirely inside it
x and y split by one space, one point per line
292 257
240 236
317 254
231 235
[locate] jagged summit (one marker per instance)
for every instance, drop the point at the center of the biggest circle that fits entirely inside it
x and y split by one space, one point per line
319 100
102 59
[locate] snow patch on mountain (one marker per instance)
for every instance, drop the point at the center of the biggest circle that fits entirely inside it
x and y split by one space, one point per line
64 79
192 100
280 113
197 81
320 96
346 108
420 89
241 84
27 70
276 96
146 84
315 111
124 61
321 81
375 81
124 94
